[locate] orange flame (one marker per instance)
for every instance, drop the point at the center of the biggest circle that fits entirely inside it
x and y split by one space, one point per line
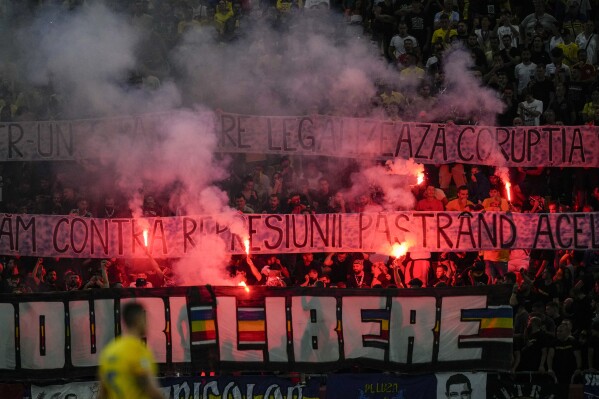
244 285
145 234
246 244
420 178
508 186
399 250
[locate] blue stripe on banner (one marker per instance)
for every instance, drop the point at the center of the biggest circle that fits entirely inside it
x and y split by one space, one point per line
490 313
378 314
202 313
251 314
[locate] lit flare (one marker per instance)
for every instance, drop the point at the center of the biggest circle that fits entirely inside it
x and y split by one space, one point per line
420 178
399 250
508 187
246 244
244 285
145 235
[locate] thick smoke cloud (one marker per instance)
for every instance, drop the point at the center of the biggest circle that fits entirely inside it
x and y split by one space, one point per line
87 56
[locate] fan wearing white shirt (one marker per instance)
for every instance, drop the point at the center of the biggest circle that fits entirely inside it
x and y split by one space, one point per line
525 70
530 109
396 46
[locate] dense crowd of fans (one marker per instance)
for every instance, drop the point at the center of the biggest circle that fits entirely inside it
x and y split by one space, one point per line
539 56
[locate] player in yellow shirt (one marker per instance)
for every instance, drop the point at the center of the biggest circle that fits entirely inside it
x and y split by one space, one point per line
127 367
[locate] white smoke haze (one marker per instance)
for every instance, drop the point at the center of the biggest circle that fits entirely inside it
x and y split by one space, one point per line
394 181
88 54
266 72
464 97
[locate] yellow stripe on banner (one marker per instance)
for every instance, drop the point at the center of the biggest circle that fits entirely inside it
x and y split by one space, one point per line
384 324
254 325
288 326
202 325
503 322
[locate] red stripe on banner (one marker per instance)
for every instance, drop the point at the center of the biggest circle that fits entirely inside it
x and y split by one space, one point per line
385 335
203 335
252 336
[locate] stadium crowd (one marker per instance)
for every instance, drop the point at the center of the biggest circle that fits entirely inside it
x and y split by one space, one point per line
539 56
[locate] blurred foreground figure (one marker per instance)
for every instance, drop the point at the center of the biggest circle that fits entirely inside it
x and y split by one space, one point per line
127 367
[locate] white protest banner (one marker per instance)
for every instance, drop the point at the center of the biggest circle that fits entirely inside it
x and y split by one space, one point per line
68 236
427 143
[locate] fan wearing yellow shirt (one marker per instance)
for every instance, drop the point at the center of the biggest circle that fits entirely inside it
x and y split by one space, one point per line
461 203
127 367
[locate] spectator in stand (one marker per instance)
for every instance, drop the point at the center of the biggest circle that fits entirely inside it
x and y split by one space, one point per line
524 71
382 277
277 274
359 278
538 54
547 21
261 181
587 72
273 205
429 202
452 15
441 279
151 208
56 207
110 210
50 283
241 204
13 283
557 71
531 351
276 187
563 108
384 25
98 276
306 264
531 109
461 203
587 40
69 199
564 360
443 32
485 33
250 195
288 175
396 46
588 112
82 209
224 19
545 289
72 280
322 196
506 27
569 48
311 278
337 266
480 58
478 186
